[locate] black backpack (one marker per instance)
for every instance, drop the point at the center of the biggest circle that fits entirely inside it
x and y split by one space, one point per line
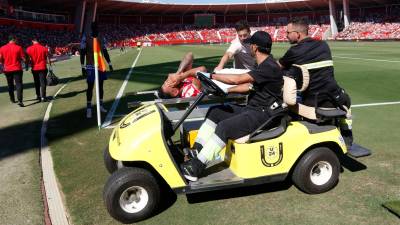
52 79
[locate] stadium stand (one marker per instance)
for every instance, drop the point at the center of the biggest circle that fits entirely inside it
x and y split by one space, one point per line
375 24
59 41
370 31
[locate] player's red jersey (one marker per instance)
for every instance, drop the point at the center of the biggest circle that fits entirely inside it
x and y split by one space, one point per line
190 87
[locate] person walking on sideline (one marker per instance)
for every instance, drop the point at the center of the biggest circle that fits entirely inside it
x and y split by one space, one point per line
38 57
11 56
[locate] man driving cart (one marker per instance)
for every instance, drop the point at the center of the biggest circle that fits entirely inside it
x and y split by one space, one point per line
264 84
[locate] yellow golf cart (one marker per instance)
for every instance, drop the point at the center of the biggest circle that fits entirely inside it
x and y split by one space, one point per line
141 155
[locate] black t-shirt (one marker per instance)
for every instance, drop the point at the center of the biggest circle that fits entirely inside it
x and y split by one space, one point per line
268 83
309 51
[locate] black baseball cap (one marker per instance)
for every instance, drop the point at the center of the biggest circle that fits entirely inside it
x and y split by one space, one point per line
262 39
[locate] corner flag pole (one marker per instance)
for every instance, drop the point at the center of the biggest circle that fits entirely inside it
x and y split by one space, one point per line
96 50
98 63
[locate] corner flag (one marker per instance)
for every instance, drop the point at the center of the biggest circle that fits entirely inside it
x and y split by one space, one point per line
99 65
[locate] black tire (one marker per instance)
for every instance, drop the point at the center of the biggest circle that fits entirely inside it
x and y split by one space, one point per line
306 174
119 183
110 163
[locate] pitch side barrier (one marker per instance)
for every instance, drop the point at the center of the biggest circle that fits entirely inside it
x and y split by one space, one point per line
189 42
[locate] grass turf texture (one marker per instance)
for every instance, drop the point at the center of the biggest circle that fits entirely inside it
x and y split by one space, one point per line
20 195
77 146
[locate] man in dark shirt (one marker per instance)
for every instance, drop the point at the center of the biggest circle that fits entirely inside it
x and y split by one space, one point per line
225 122
317 58
89 69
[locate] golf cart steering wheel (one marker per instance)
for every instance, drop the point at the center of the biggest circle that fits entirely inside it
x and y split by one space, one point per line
209 86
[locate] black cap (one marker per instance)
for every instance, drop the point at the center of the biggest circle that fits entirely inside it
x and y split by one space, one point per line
262 39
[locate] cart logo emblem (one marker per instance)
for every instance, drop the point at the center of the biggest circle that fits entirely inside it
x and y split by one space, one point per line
271 156
137 116
123 124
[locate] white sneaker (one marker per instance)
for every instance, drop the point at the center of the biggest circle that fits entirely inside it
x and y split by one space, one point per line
102 109
88 113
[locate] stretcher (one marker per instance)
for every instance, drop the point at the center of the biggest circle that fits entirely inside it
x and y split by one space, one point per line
177 106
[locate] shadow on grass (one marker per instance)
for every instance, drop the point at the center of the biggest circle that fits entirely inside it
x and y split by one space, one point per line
32 103
18 138
168 199
70 94
30 85
238 192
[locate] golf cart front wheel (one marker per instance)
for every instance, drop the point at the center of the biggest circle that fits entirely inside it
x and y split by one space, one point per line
317 171
131 194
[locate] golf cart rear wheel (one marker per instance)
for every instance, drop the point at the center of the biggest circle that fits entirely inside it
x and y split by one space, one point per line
317 171
131 194
111 164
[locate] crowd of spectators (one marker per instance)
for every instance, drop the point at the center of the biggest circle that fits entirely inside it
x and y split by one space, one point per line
59 41
117 35
370 31
374 26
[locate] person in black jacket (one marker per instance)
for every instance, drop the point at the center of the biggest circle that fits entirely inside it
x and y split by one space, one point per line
316 56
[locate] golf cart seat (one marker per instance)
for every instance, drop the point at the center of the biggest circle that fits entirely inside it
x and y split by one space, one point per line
330 113
317 114
278 122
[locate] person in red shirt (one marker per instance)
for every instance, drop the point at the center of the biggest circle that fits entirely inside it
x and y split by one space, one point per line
39 56
11 56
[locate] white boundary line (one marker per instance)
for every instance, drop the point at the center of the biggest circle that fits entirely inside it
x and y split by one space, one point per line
375 104
57 211
110 114
377 60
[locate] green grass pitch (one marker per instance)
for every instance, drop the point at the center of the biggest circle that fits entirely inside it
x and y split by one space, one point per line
369 71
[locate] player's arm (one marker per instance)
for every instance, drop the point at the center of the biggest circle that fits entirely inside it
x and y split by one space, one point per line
190 73
174 79
186 63
234 79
